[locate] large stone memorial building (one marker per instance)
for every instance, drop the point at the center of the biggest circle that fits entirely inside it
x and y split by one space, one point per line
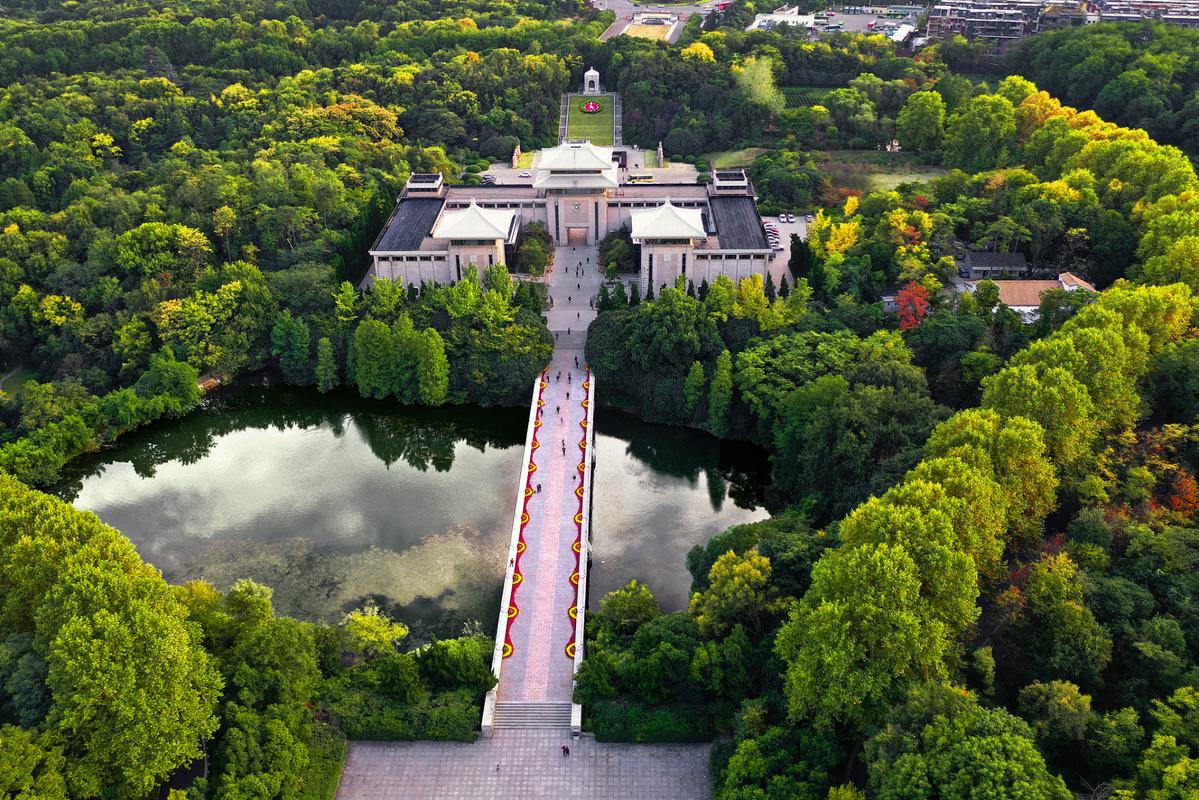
437 232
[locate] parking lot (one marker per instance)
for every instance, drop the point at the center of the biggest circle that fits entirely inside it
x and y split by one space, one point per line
860 23
779 262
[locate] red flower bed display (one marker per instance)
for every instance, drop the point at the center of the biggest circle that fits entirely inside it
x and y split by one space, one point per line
521 545
580 492
590 107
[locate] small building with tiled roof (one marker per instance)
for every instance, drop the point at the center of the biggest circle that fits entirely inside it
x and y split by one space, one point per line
980 264
1024 297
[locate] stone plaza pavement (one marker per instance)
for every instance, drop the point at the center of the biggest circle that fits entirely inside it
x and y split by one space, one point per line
531 766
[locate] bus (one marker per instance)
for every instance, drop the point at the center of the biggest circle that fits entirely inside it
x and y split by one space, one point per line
640 177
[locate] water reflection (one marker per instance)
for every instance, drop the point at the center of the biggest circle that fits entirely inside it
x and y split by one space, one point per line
660 490
335 499
329 499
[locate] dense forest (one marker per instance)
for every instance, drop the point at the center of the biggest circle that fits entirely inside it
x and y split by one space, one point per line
996 602
983 582
1139 74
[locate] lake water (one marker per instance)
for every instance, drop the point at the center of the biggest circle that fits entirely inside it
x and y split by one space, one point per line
333 500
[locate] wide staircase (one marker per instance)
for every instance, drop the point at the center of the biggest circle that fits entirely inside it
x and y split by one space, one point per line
533 715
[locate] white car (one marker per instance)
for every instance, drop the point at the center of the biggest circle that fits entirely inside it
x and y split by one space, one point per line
790 218
525 175
809 218
782 218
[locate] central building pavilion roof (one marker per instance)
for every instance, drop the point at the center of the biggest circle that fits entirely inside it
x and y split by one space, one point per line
576 156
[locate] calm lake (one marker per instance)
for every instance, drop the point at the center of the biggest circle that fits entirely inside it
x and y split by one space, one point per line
334 499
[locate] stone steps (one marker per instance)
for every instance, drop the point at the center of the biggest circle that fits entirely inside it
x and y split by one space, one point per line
532 715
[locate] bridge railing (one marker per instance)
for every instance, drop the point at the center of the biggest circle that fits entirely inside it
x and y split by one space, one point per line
576 710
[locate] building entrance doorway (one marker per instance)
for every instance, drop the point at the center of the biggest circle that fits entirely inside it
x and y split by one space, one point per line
576 237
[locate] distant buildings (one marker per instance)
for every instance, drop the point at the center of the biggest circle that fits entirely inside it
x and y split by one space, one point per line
784 15
999 23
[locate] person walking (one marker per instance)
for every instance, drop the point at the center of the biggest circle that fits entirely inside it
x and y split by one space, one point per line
565 751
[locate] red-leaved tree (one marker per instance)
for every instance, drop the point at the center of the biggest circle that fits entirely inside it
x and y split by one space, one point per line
913 305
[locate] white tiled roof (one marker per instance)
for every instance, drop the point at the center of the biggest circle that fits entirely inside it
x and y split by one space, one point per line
668 221
474 222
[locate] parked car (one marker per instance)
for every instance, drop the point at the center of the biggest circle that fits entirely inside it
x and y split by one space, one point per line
782 217
487 178
525 174
809 218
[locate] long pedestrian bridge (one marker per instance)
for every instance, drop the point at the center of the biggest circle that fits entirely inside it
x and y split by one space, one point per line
539 636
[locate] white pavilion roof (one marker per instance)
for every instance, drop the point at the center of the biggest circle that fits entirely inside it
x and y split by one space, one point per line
668 221
576 156
474 222
578 180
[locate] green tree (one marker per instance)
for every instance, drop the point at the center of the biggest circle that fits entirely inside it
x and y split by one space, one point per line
326 365
433 368
374 358
30 769
959 754
720 394
289 344
921 123
859 638
739 591
981 135
626 609
372 632
693 388
120 648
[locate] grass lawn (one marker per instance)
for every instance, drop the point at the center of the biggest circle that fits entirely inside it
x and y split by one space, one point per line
598 127
526 160
15 382
656 32
873 170
651 159
728 159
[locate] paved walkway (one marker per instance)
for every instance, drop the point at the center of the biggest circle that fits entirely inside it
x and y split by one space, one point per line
531 766
540 668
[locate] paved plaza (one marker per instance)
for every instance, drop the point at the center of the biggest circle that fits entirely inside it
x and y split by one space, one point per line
531 765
